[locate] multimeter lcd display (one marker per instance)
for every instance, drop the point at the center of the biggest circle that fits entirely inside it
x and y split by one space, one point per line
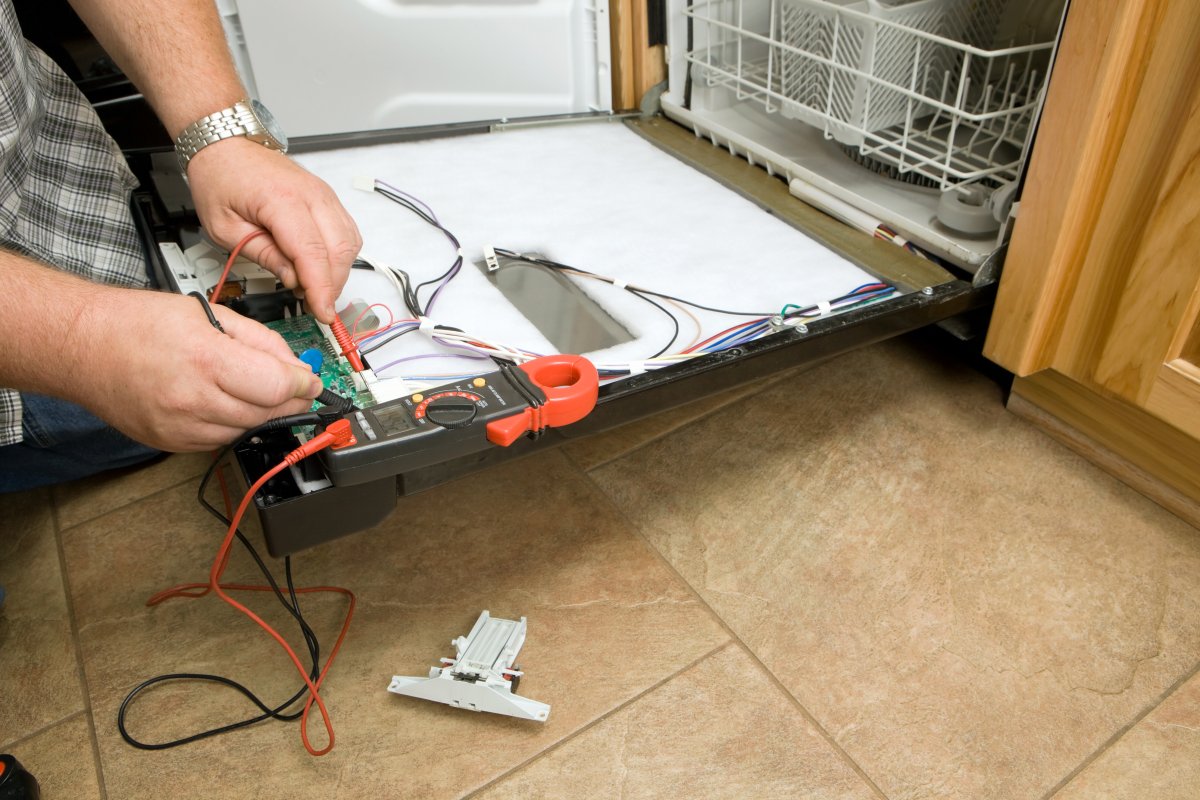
393 418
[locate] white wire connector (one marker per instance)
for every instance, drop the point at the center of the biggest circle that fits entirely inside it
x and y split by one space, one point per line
363 183
824 307
426 324
636 367
489 258
620 284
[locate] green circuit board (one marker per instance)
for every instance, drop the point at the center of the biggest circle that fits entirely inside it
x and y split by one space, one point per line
301 333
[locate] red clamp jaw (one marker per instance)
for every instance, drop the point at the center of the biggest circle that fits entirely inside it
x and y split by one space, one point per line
571 385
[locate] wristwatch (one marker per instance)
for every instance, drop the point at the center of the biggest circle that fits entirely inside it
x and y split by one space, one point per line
248 118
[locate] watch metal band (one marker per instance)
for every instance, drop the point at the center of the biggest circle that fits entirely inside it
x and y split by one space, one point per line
237 120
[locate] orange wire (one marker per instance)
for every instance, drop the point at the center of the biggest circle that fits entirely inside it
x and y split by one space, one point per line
215 295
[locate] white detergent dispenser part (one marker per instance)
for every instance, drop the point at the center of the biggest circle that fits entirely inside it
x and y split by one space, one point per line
482 676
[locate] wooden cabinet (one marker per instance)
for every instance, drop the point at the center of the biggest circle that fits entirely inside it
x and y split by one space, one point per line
1098 311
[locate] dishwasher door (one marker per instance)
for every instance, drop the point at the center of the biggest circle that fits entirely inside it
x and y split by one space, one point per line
305 513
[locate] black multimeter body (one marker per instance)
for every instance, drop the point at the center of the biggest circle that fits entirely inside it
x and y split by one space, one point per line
429 427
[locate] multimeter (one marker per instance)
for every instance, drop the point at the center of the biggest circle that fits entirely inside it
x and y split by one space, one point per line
456 419
15 782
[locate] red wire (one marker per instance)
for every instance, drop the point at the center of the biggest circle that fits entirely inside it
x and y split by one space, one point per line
215 295
214 585
380 331
716 336
354 328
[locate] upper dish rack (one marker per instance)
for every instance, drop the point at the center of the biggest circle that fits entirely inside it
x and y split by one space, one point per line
942 93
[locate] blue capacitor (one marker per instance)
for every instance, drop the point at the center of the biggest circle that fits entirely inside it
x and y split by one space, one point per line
312 356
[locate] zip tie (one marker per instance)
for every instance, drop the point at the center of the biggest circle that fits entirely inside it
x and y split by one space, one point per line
824 307
426 324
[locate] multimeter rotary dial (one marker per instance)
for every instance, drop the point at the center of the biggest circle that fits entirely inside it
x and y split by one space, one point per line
450 409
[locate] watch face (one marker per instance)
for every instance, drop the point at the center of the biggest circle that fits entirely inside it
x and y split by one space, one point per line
270 123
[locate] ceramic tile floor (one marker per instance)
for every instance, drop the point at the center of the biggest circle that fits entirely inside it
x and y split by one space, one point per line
865 580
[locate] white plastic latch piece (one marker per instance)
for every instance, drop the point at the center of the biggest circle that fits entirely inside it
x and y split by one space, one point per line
482 675
364 183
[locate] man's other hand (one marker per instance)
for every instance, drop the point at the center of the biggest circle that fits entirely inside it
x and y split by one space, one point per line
240 187
153 367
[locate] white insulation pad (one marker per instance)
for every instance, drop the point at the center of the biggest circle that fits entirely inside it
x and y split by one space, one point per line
593 195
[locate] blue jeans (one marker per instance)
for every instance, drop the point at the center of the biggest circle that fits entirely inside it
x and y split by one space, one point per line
63 442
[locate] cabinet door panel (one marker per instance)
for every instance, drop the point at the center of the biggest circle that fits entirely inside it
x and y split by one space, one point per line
1114 310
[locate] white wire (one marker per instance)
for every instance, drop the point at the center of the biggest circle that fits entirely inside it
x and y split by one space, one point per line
477 344
386 271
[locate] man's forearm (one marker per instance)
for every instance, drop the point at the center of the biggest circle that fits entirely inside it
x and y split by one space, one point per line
174 51
44 316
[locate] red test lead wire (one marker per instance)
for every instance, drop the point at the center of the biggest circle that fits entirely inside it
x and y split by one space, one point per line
215 296
337 434
347 343
344 339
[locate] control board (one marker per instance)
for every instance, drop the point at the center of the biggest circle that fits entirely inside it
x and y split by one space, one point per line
302 334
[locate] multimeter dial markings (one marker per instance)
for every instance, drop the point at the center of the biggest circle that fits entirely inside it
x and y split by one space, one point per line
448 407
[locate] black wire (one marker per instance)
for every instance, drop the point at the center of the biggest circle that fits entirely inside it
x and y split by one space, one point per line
674 321
449 273
545 262
407 294
415 306
292 607
637 292
376 345
212 318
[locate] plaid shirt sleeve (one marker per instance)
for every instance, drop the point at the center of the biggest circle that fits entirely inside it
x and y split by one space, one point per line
64 186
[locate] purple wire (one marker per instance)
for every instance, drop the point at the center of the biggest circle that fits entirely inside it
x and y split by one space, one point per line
391 364
411 197
425 206
445 343
368 340
433 298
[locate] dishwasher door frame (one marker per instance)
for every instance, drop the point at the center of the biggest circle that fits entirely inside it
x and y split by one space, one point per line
929 294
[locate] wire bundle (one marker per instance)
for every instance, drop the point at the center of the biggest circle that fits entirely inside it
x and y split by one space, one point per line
411 295
466 346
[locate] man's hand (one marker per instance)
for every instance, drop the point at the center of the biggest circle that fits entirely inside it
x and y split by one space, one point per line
175 52
240 187
151 365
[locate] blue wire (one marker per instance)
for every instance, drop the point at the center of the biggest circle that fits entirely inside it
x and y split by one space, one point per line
741 332
712 346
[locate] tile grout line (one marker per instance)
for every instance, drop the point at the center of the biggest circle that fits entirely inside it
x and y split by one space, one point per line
808 715
83 685
124 505
1109 743
767 383
614 710
7 747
